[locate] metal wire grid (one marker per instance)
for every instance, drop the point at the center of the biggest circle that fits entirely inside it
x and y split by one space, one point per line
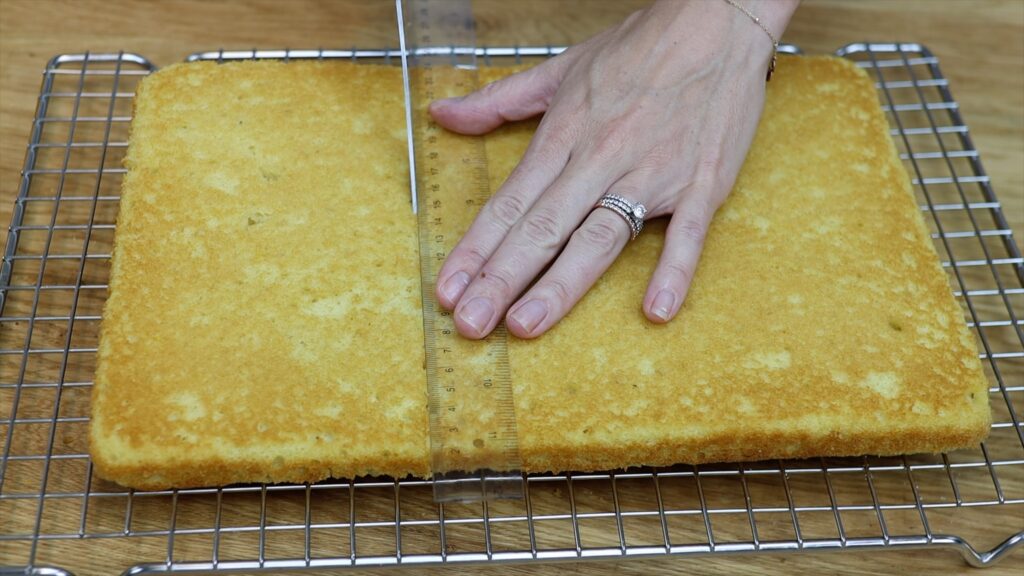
52 286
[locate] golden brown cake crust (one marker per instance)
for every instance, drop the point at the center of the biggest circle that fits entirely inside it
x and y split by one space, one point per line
264 313
819 321
262 327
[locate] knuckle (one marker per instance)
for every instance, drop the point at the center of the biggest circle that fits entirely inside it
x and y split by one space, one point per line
695 211
611 140
507 209
709 170
679 271
489 90
710 165
541 228
553 134
691 229
528 173
560 290
500 279
601 235
476 256
659 158
550 76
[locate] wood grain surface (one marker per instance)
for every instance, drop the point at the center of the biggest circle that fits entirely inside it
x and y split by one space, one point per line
980 45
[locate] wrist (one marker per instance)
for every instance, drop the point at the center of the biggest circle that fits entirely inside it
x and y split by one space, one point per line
774 14
761 23
723 30
722 19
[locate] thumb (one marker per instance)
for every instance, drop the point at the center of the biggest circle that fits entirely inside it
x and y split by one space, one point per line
516 97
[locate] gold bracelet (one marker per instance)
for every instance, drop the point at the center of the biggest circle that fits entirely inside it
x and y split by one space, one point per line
775 42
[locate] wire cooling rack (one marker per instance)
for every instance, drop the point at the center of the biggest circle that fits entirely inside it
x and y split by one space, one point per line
56 516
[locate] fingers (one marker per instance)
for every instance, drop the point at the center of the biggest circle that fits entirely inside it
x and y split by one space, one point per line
527 248
543 162
590 251
516 97
684 240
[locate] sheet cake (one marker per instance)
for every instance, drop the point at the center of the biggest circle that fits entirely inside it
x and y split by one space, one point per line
263 322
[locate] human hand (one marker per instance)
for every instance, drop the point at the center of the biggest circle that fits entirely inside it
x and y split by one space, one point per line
660 109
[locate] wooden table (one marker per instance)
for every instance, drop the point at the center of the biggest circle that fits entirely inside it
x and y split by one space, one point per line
980 45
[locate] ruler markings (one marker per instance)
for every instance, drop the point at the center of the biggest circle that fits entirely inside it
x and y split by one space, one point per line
473 437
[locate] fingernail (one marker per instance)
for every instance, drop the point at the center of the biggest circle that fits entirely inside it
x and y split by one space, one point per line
454 286
663 303
530 315
478 313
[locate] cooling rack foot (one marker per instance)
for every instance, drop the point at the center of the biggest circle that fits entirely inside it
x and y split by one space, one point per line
986 559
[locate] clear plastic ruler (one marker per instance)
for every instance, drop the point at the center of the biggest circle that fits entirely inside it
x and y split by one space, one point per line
473 439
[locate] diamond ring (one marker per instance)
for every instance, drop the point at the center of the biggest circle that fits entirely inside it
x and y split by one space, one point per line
632 212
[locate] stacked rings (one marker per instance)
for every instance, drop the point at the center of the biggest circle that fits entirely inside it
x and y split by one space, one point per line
632 212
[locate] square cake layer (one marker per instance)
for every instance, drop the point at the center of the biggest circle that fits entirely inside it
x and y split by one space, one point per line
264 322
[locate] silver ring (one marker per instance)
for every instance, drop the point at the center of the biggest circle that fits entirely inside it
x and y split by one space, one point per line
632 212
